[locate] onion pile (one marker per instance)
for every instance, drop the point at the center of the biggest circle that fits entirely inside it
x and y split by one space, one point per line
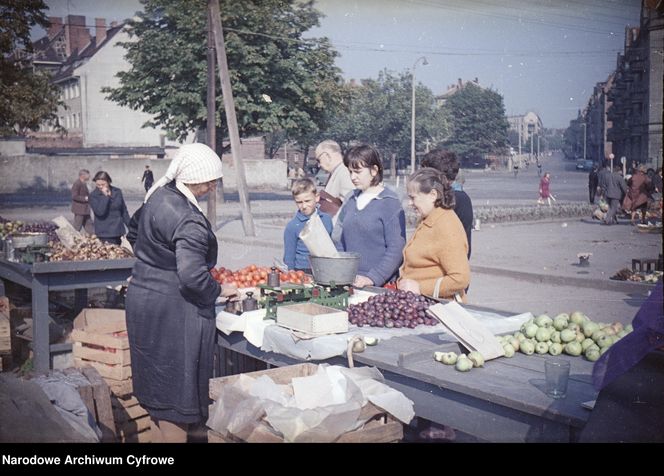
393 309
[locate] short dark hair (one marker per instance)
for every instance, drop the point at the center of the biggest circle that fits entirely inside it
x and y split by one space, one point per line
365 156
445 161
303 185
101 175
428 179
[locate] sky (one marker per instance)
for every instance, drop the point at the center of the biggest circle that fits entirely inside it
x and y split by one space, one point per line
543 56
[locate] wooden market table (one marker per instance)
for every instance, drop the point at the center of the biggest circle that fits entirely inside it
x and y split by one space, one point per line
42 278
502 402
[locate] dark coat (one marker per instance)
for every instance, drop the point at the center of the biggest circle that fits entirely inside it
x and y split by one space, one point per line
79 198
111 213
616 186
464 210
170 307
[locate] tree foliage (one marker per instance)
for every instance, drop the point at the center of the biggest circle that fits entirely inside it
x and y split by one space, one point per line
281 83
478 125
378 112
26 98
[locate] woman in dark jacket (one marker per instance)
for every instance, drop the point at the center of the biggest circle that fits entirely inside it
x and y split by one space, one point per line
110 210
171 297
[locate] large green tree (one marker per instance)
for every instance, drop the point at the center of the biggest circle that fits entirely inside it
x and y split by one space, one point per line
26 98
478 124
378 112
282 83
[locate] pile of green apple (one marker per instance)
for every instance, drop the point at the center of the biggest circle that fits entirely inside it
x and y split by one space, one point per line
574 334
461 362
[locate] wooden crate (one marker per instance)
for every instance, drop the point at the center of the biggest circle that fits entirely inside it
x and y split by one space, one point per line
100 340
380 427
132 420
312 319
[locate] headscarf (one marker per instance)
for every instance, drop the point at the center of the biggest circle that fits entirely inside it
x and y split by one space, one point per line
194 163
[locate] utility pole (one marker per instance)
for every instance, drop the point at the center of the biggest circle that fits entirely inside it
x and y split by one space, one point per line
229 107
211 132
520 126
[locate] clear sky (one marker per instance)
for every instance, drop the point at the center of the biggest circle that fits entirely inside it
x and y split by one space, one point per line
541 55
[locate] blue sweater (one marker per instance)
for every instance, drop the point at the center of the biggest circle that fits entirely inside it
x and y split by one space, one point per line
296 253
377 233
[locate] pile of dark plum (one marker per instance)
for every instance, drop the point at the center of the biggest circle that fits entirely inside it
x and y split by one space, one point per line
392 309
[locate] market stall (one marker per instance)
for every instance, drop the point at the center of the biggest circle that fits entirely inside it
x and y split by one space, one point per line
42 278
504 401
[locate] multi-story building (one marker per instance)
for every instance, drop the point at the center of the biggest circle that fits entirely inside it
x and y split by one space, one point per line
81 65
636 95
528 127
595 124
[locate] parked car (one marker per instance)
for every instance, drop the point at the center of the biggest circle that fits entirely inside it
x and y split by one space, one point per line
588 165
580 164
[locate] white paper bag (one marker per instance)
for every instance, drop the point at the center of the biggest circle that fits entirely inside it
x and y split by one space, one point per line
317 239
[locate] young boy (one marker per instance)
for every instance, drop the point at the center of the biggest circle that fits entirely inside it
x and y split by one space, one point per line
296 253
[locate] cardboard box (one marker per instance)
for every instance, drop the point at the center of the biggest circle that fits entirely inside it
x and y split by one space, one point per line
312 319
381 427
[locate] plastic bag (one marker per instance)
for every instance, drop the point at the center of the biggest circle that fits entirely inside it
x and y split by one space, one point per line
317 240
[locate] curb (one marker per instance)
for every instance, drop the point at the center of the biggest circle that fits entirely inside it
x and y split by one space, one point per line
603 285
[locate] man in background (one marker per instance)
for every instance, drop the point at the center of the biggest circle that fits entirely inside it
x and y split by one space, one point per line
339 184
593 182
148 178
80 205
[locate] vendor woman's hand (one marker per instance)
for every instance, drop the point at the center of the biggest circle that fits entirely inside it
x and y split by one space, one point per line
409 285
361 281
229 291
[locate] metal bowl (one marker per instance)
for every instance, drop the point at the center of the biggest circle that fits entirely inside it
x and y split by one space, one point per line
341 269
25 240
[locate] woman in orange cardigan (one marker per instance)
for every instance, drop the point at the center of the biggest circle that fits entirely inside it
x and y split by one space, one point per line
435 260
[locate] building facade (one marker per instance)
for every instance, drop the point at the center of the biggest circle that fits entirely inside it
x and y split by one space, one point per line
81 65
636 96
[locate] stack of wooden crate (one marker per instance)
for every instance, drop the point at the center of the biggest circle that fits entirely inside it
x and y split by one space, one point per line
100 341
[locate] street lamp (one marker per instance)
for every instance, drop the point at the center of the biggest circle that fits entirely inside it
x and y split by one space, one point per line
412 115
584 139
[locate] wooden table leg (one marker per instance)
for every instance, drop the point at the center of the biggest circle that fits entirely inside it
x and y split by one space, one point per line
40 321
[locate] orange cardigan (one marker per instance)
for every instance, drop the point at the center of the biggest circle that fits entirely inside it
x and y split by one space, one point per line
438 248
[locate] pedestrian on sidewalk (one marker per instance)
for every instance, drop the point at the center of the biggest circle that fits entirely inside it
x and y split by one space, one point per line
616 188
638 194
108 205
593 182
148 178
80 202
296 253
544 190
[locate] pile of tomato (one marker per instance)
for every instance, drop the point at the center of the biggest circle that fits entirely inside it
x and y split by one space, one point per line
252 275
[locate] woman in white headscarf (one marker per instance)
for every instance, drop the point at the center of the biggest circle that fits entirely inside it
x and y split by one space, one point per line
171 297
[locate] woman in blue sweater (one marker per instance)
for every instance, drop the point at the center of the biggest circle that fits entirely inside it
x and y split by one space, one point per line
372 219
110 210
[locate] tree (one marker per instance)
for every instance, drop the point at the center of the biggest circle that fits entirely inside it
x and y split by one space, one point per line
478 125
26 98
281 82
377 112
